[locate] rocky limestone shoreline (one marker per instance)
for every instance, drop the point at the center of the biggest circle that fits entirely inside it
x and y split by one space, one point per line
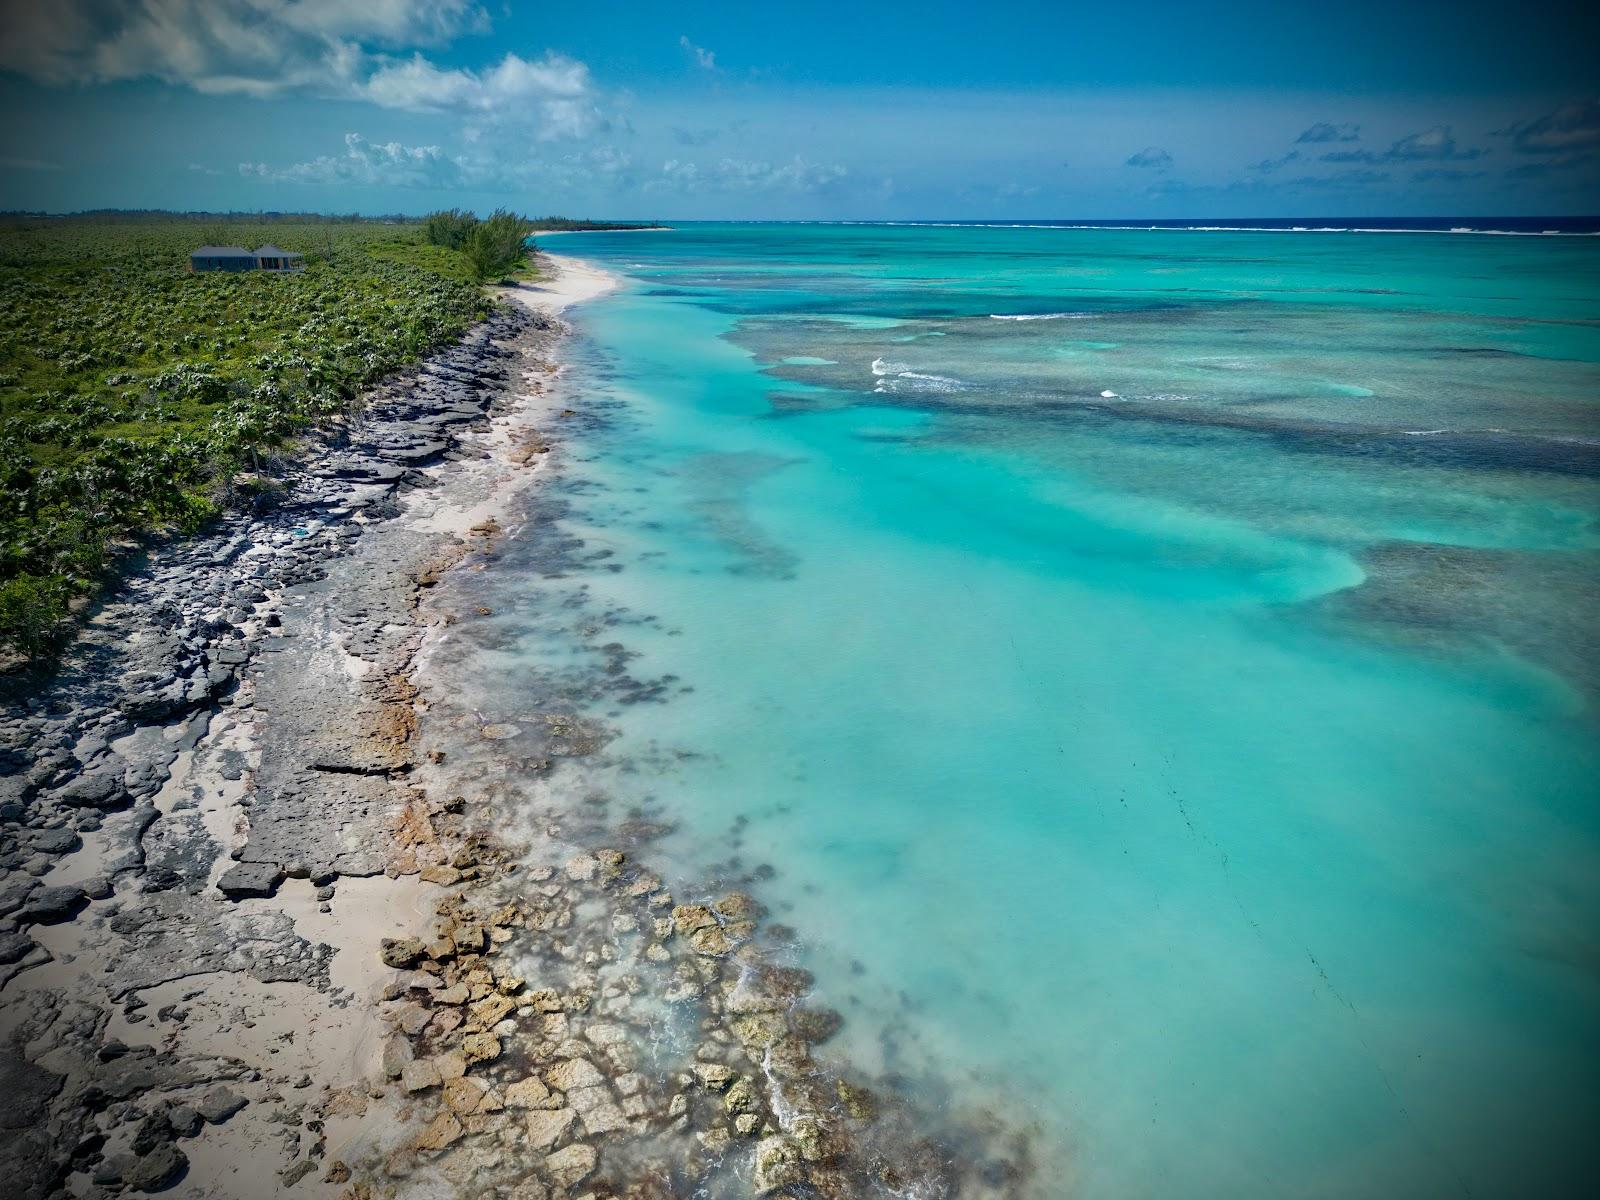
250 946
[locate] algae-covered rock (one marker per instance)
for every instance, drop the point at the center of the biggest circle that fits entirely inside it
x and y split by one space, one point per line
858 1102
778 1164
715 1076
741 1098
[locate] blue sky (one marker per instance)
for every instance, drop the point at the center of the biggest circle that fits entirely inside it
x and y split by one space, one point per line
804 110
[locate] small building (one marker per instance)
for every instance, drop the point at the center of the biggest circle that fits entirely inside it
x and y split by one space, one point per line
222 258
276 258
237 258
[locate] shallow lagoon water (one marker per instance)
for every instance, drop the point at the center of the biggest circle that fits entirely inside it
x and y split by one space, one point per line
1203 775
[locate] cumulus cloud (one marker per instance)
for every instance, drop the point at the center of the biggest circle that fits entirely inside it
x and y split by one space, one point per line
1151 156
1322 131
250 47
343 49
1573 127
706 59
555 89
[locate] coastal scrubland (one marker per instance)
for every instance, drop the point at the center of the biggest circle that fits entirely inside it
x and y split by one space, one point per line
134 393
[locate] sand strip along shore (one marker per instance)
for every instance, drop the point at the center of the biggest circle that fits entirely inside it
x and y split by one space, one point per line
205 807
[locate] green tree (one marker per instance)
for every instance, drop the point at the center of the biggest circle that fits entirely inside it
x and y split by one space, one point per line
449 227
497 245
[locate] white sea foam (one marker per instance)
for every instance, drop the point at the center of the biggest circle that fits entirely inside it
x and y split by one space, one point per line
1056 316
1213 228
893 376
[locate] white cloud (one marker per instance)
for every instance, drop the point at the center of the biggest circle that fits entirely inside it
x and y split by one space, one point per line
394 164
332 48
706 59
250 47
389 164
733 174
1151 156
555 92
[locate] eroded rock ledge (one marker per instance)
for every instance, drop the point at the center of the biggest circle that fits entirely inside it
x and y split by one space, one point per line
228 722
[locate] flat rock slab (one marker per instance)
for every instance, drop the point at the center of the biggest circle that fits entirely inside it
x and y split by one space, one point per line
250 880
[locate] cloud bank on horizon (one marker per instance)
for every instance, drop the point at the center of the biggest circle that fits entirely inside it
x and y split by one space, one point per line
402 105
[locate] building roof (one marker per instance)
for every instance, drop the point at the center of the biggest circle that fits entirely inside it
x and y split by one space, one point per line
271 251
221 252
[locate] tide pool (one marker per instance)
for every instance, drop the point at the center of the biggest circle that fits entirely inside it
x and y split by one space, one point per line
1202 776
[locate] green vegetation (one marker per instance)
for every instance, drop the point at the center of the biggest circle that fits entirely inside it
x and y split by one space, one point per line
132 392
495 246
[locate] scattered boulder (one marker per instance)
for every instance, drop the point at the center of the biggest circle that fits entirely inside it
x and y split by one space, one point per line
401 953
220 1103
245 881
14 947
155 1170
57 841
94 789
185 1120
50 905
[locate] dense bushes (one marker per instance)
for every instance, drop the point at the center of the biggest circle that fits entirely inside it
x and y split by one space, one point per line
449 227
494 247
132 392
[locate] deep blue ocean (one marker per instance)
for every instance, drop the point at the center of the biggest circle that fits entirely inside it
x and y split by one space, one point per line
1152 671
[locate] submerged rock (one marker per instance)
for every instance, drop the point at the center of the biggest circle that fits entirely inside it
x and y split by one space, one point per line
778 1164
572 1165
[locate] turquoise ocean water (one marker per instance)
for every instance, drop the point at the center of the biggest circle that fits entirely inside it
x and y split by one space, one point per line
1152 672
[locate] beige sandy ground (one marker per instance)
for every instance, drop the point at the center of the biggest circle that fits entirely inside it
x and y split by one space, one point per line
289 1030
